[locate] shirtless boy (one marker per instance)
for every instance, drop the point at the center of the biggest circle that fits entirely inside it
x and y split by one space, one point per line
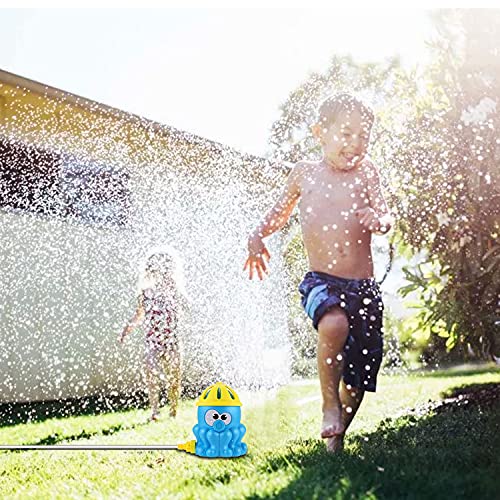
341 205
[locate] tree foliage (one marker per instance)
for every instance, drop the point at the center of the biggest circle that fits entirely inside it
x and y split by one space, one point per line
451 150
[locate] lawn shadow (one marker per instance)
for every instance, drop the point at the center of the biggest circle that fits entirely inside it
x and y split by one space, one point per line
486 393
56 437
38 411
449 450
459 370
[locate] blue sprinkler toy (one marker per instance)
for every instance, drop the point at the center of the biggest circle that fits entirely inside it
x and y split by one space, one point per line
219 429
218 433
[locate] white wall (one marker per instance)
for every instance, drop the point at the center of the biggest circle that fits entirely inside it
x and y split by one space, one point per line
68 287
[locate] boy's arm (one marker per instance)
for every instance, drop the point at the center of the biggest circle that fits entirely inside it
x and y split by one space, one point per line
377 217
278 215
273 221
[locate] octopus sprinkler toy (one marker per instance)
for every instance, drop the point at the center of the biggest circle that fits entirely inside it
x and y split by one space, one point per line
219 431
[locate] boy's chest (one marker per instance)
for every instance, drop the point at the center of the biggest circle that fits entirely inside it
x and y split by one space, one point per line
347 193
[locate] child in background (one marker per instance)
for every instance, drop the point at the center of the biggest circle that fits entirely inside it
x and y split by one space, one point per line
341 205
161 302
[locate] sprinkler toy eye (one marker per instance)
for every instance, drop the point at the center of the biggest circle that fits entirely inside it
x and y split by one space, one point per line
211 416
226 418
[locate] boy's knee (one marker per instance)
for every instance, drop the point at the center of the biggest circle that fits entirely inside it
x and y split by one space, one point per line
333 323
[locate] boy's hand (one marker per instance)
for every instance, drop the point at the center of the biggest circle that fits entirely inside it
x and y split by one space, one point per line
368 218
257 251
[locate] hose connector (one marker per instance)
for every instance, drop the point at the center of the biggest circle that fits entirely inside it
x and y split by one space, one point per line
188 446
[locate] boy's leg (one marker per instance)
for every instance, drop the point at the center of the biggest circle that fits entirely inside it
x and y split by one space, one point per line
351 400
333 329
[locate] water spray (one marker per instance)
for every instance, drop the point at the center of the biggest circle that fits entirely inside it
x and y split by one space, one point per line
218 433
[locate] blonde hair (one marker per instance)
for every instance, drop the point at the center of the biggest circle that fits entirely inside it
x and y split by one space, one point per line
160 265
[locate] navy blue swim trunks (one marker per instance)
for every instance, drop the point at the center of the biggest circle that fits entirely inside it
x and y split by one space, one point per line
361 300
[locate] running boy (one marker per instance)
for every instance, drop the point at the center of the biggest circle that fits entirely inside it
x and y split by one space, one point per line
341 204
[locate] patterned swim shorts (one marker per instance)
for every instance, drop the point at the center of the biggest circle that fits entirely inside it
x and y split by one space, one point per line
361 301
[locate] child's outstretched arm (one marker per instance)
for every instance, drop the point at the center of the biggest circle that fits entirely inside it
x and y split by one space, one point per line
134 322
273 221
376 217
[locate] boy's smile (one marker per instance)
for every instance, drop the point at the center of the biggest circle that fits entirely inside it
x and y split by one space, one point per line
345 141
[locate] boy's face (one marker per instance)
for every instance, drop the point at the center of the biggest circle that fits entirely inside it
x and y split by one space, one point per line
346 140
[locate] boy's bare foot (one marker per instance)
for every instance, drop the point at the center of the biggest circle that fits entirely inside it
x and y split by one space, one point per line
173 412
155 416
332 422
335 444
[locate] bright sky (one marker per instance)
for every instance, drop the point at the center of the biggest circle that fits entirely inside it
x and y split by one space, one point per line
219 73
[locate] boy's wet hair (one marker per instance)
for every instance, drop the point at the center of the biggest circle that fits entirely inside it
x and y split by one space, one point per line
333 105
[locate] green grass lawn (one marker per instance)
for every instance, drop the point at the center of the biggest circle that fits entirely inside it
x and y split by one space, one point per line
391 452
